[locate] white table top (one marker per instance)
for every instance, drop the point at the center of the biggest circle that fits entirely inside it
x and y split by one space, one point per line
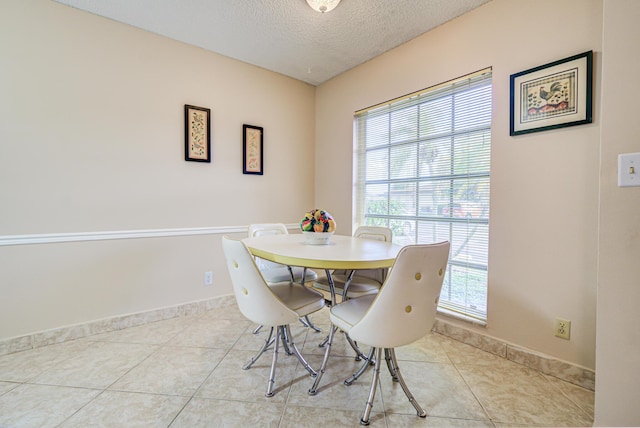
342 252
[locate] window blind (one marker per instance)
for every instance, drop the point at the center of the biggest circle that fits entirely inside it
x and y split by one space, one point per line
423 169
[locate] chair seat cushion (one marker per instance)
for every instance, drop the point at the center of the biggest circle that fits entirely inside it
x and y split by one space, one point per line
348 313
359 286
298 298
281 273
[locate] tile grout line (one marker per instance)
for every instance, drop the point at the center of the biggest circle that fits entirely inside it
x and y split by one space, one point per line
475 396
561 391
295 369
206 378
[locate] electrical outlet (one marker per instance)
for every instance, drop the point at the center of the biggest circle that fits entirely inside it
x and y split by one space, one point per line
208 278
563 328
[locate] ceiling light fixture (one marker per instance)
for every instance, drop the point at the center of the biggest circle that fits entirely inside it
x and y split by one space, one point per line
323 6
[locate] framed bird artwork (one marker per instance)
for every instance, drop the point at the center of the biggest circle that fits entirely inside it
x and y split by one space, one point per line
553 95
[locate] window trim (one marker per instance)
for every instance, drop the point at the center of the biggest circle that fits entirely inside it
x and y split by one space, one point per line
467 312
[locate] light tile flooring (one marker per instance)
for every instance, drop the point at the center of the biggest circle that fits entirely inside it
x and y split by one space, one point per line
186 372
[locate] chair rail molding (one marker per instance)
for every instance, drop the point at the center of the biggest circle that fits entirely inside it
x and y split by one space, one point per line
50 238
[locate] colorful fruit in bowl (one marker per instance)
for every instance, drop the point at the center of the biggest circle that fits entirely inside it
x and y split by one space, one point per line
319 221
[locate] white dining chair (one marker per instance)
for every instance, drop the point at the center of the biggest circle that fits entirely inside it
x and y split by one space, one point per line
276 305
363 281
275 272
402 312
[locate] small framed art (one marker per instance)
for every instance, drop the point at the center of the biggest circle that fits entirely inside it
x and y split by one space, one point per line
252 141
553 95
197 134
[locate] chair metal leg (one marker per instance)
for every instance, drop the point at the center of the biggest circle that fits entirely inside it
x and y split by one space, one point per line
372 392
285 340
274 362
311 325
392 370
257 330
368 360
297 353
314 388
356 348
303 322
405 388
268 341
324 342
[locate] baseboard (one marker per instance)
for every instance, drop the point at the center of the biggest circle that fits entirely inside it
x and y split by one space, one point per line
63 334
546 364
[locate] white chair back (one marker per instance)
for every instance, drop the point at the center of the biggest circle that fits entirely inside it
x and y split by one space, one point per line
404 310
378 233
374 232
263 229
255 299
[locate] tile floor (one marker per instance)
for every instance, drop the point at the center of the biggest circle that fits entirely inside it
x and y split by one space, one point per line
186 372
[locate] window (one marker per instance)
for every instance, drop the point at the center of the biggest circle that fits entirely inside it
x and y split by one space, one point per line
423 168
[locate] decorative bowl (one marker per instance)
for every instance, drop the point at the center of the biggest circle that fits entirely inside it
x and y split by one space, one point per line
317 238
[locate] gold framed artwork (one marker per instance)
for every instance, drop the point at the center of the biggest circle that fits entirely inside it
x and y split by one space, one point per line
197 138
252 145
552 95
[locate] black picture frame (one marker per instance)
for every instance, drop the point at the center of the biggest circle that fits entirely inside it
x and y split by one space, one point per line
553 95
252 149
197 134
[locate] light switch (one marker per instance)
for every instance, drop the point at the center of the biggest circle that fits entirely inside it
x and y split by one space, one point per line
629 170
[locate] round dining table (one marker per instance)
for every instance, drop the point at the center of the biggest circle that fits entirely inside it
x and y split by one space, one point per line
341 252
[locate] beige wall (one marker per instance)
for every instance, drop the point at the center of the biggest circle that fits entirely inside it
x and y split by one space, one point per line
618 338
544 186
92 139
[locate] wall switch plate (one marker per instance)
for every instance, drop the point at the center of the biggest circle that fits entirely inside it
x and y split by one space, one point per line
629 169
208 278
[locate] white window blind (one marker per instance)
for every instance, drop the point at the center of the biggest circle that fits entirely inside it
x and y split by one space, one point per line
423 168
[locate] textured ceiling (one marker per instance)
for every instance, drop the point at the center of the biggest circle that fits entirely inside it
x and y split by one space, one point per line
286 36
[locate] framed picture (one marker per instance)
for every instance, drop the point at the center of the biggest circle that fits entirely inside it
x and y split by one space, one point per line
252 149
197 134
553 95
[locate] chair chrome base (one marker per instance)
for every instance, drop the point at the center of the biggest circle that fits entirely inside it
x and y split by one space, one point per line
283 334
394 370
